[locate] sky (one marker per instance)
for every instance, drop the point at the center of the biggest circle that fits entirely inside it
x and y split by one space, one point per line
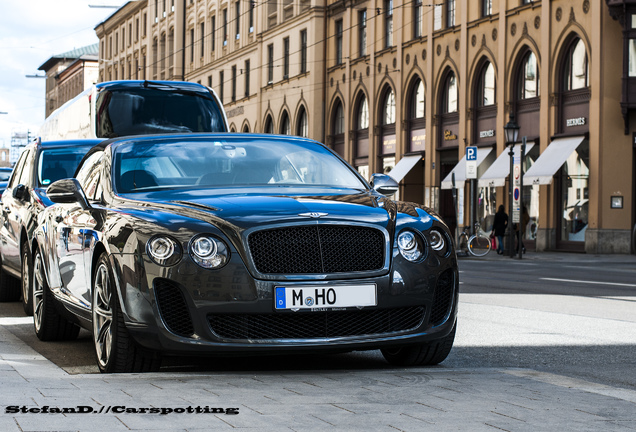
31 32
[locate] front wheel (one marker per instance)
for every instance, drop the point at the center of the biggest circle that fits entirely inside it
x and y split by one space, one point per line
479 245
115 349
27 288
426 354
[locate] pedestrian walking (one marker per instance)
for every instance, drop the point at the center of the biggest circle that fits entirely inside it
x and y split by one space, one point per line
499 228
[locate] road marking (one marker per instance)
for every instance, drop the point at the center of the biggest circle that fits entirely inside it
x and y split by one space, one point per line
574 383
590 282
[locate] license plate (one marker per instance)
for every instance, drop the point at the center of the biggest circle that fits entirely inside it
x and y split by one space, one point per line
325 296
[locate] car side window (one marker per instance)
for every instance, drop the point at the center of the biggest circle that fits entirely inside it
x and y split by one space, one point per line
90 166
92 188
27 171
17 170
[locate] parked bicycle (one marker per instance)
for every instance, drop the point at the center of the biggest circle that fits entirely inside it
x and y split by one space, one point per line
477 244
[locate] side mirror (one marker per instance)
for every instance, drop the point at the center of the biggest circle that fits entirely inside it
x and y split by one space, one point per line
67 191
384 184
21 192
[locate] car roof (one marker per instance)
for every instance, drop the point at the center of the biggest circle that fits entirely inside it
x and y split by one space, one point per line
183 85
70 143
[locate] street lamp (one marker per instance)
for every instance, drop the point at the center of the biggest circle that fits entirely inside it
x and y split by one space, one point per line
511 132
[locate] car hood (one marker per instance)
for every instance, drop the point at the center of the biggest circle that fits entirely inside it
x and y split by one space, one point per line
245 210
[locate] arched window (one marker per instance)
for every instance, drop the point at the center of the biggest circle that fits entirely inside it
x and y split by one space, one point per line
302 128
486 89
233 129
285 128
417 104
363 114
576 66
269 125
416 116
389 108
529 77
246 129
450 94
337 138
338 119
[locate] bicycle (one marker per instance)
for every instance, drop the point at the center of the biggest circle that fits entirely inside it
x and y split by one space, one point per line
476 245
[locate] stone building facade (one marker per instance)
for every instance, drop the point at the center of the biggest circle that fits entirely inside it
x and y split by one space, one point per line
405 87
68 74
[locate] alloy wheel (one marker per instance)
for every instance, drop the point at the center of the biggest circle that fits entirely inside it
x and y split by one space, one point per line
38 290
25 276
102 316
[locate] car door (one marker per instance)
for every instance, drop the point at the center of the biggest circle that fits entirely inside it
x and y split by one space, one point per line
13 208
75 232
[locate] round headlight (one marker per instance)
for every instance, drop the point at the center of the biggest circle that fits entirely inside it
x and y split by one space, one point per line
410 245
163 250
438 242
204 247
209 252
406 240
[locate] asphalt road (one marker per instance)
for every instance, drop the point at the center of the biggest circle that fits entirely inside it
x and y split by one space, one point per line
570 315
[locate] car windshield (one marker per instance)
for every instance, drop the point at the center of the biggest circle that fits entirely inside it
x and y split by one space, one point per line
228 162
59 163
156 110
5 174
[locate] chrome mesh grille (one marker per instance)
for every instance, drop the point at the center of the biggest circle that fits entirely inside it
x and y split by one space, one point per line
317 249
316 324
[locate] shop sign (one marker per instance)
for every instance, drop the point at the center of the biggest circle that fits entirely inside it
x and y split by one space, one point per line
449 135
388 144
418 140
487 133
578 121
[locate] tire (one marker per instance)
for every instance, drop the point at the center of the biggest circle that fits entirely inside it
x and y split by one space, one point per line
48 323
115 350
9 287
479 245
427 354
27 285
462 245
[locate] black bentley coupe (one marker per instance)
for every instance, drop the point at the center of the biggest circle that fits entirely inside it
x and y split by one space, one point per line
238 244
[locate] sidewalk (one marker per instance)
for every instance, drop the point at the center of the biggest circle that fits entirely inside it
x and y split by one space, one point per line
559 256
353 399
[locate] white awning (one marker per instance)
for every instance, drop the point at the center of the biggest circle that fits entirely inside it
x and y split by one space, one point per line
402 168
551 160
484 159
500 169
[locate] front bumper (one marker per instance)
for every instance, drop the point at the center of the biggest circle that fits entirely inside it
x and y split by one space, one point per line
188 310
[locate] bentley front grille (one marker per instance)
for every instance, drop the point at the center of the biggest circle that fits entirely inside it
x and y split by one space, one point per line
312 325
317 249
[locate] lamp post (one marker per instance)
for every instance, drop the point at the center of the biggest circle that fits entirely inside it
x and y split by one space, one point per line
511 132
